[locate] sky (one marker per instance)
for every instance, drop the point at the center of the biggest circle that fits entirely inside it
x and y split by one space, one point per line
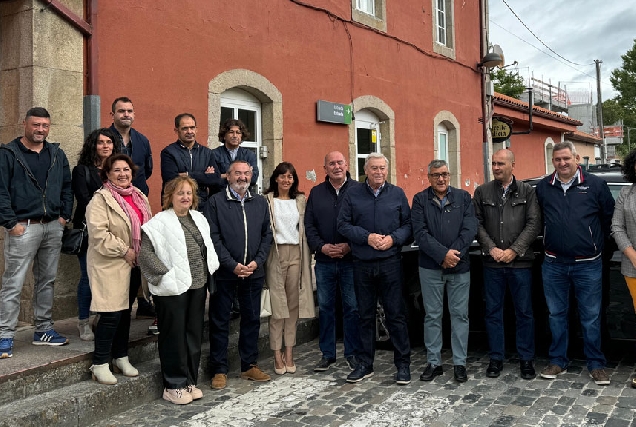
580 31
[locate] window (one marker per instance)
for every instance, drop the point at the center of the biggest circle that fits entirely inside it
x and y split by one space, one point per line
370 12
443 27
367 139
366 6
441 22
238 104
549 145
442 142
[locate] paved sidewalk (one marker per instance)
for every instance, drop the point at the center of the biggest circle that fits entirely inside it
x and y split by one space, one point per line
325 399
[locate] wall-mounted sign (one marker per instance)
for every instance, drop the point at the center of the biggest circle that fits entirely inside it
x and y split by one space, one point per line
332 112
501 129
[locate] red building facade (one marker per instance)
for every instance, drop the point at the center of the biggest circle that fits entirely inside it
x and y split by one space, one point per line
407 68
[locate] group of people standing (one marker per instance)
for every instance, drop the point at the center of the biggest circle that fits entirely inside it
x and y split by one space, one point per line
215 235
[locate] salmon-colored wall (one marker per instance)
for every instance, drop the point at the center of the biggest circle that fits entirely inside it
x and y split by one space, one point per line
163 56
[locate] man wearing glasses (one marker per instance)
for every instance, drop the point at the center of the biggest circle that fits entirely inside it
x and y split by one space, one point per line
444 225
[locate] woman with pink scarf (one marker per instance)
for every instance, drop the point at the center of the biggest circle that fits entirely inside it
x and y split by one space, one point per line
114 218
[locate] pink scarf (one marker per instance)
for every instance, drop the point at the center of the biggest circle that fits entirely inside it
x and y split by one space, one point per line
139 201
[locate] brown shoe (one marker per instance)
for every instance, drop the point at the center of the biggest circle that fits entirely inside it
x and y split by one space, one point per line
551 371
600 377
255 374
219 381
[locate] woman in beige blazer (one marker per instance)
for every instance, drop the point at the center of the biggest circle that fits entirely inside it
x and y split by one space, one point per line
288 265
114 218
624 227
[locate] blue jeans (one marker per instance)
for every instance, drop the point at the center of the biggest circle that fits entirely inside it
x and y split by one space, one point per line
40 243
519 280
586 278
330 275
383 277
249 296
84 295
457 287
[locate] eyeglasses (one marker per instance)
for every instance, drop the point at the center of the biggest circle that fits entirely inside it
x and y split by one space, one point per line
437 176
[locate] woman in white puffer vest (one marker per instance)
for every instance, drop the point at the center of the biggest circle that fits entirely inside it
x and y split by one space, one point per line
177 258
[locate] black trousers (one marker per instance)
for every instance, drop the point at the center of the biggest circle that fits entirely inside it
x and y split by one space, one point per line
180 322
113 329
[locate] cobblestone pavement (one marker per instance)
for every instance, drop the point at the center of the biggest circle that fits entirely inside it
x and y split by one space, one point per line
307 398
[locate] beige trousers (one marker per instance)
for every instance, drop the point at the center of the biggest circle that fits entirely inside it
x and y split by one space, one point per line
289 256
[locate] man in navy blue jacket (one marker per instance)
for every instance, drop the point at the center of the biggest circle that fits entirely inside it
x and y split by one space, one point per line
334 262
231 134
132 143
577 216
444 226
242 236
376 219
186 157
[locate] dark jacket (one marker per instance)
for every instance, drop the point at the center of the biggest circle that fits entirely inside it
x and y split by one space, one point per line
321 217
21 197
362 214
223 159
576 223
513 223
438 230
241 232
141 156
83 190
176 158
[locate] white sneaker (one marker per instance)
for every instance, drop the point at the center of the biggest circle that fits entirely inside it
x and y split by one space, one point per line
195 392
85 332
178 396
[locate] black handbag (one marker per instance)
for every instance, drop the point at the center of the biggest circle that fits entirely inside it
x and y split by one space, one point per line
74 240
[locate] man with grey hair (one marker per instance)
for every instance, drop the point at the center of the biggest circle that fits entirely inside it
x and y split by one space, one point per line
577 217
444 225
376 219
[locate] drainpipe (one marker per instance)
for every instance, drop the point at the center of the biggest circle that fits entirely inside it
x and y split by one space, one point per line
484 101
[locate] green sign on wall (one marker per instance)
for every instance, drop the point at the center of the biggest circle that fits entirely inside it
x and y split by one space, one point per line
332 112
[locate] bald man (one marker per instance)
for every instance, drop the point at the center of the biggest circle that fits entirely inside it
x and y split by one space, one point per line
509 222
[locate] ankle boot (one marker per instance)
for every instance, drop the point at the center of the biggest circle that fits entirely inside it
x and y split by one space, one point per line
102 374
85 332
123 366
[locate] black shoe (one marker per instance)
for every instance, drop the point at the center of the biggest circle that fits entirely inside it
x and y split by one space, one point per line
324 364
352 362
527 370
460 374
236 309
430 372
360 373
494 368
145 310
403 375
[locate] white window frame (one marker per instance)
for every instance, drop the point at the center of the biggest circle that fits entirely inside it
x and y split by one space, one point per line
441 26
365 119
366 6
238 99
442 151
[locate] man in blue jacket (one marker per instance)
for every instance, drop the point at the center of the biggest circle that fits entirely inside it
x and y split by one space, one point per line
186 157
444 226
36 202
242 236
577 217
133 143
334 262
231 134
376 219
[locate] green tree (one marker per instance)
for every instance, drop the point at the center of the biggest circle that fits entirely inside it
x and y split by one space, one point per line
508 82
623 106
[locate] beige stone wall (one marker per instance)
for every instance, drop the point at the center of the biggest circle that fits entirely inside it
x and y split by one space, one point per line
41 64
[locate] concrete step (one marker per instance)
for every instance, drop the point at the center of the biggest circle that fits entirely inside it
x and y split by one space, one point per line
61 393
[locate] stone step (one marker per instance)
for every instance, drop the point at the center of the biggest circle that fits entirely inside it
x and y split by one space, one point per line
62 393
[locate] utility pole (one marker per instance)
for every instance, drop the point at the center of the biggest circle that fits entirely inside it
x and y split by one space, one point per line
599 111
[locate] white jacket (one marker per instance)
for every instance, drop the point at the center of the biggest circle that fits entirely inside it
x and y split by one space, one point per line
166 235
